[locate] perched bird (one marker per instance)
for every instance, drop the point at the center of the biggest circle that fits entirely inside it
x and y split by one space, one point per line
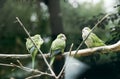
92 40
57 48
31 47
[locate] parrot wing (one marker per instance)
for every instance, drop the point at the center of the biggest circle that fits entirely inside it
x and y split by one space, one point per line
57 47
96 40
55 52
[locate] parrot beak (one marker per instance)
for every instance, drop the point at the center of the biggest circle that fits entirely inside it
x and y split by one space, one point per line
83 31
65 38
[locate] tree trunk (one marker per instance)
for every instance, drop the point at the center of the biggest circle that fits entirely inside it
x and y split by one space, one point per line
55 17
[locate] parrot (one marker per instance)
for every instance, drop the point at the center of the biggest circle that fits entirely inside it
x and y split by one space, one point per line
31 48
57 49
93 40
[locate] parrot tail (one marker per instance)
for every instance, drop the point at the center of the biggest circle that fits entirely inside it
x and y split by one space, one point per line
52 61
33 62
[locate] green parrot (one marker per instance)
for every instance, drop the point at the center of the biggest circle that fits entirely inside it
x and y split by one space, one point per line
57 47
31 48
92 40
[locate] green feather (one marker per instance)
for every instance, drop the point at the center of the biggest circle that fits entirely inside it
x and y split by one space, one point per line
92 40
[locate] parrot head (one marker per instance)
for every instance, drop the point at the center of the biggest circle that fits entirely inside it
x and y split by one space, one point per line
85 31
38 37
61 36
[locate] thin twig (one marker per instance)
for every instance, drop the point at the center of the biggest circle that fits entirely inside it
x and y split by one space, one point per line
90 32
71 48
33 76
35 45
19 63
68 54
20 56
26 69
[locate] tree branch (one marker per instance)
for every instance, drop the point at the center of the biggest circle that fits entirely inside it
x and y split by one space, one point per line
35 45
19 56
102 49
82 52
26 69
